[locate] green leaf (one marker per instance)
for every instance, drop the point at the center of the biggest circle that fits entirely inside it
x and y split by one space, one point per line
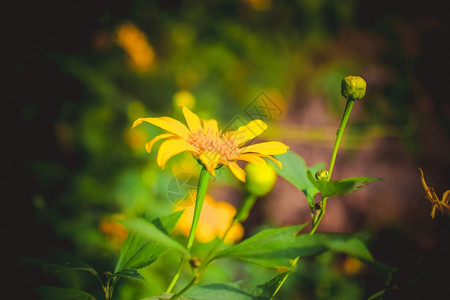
222 291
294 170
138 251
270 248
276 247
340 187
131 274
61 261
234 291
57 293
167 296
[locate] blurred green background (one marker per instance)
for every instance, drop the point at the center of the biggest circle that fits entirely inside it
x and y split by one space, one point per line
79 73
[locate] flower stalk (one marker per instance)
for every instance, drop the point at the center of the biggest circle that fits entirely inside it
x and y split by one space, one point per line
201 192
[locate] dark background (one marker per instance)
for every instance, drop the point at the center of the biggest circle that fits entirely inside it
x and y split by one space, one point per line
69 90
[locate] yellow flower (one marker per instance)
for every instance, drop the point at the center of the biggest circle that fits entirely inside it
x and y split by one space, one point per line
209 145
440 205
115 231
135 43
214 220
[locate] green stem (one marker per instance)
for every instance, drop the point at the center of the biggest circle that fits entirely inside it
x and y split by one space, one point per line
319 217
245 208
339 133
240 216
201 192
188 286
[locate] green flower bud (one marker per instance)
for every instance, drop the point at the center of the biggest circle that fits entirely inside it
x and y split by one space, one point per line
260 179
322 175
353 88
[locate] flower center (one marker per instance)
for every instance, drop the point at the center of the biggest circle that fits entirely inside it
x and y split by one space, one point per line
222 145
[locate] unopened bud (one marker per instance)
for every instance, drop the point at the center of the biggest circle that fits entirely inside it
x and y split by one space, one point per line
260 179
353 88
322 175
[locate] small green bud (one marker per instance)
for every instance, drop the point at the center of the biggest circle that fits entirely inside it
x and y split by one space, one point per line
260 179
353 88
322 175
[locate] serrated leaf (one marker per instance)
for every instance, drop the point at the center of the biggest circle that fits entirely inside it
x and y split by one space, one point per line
294 170
61 261
57 293
276 247
138 251
340 187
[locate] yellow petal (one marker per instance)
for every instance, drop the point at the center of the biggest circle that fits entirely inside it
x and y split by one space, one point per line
171 148
276 161
149 145
237 171
210 126
210 160
247 132
166 123
192 120
268 148
433 211
446 197
251 158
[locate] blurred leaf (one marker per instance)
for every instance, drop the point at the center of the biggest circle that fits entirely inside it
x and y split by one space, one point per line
340 187
138 251
294 170
275 247
61 261
57 293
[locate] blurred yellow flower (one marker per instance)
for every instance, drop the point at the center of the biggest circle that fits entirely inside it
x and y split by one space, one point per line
113 230
135 43
440 205
212 147
214 220
259 4
184 98
352 266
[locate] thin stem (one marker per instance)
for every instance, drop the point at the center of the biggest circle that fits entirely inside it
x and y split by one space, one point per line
188 286
246 206
316 222
201 192
240 216
318 218
339 133
177 275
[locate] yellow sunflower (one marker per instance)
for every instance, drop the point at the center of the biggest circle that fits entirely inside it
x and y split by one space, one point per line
212 147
